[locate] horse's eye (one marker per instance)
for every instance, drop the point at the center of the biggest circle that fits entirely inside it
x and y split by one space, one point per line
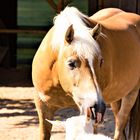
72 64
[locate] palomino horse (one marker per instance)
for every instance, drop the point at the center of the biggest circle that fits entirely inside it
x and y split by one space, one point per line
91 59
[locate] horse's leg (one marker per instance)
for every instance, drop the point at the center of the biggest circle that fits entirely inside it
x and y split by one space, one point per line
123 114
115 106
44 112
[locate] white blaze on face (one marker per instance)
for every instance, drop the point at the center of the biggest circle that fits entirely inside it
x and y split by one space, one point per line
85 99
83 44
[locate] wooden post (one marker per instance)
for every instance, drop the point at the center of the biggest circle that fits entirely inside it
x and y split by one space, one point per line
128 5
92 7
8 18
110 3
138 7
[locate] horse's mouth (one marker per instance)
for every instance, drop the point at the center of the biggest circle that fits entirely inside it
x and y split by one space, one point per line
97 113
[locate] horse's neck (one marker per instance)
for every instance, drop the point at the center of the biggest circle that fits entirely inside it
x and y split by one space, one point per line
43 66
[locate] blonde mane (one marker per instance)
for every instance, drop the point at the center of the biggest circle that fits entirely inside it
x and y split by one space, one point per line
83 43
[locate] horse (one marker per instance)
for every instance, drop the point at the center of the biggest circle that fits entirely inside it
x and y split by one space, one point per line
85 62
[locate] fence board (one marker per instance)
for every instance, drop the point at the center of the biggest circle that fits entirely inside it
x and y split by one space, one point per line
110 3
138 6
92 7
128 5
8 16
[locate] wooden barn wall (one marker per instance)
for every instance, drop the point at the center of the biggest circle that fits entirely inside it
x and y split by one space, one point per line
126 5
138 6
8 20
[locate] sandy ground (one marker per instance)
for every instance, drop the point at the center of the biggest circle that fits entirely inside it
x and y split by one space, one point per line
19 121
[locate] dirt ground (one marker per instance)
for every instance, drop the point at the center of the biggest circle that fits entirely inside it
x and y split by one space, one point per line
18 116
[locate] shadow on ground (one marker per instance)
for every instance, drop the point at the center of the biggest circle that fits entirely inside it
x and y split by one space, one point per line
15 108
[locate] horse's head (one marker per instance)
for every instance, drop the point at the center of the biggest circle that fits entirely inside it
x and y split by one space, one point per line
77 48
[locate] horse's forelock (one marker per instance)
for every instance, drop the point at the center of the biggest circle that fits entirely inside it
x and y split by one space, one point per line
83 42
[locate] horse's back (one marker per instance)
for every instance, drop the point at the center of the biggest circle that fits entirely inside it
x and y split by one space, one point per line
105 14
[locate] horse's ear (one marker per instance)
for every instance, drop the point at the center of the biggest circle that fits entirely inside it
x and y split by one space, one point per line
95 32
69 34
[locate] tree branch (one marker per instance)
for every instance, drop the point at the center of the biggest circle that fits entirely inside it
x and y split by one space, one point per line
52 4
60 6
66 2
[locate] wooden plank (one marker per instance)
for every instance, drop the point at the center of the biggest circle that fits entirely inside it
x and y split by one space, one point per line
111 3
92 7
8 15
128 5
22 31
138 7
3 51
100 4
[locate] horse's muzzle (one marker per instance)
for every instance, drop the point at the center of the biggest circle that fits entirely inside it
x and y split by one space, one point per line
98 111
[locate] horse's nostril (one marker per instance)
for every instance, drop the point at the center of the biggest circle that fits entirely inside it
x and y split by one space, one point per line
95 107
100 108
